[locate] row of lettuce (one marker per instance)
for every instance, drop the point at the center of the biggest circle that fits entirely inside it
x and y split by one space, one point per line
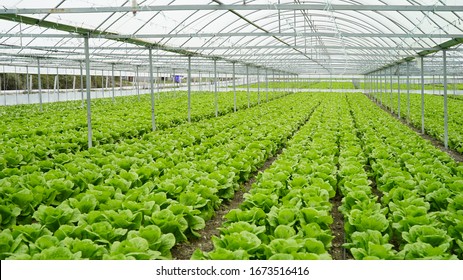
402 198
303 84
286 214
138 198
421 186
30 136
433 114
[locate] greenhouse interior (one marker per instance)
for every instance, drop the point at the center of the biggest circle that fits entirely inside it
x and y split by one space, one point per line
231 130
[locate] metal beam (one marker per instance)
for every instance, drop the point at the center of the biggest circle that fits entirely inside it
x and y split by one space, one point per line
446 45
85 32
376 48
272 34
237 7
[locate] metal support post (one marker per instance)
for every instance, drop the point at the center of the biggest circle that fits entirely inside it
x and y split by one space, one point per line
137 82
266 85
158 88
331 82
81 83
120 83
408 91
200 82
55 85
258 87
247 82
102 82
89 112
189 88
234 88
273 80
27 86
381 87
398 88
385 91
446 118
113 81
422 93
391 89
153 119
39 84
4 92
215 89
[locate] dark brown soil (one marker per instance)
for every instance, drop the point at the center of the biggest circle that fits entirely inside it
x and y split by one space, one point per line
337 252
183 251
373 185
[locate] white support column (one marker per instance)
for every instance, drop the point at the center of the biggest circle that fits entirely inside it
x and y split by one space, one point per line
174 94
378 99
391 73
234 88
158 88
165 78
153 118
215 89
398 87
381 87
39 83
422 94
137 82
247 83
81 83
258 87
209 82
121 87
74 84
331 82
266 85
102 82
4 92
189 88
200 82
28 88
56 85
66 85
273 79
408 91
16 85
454 84
113 82
446 118
385 90
88 77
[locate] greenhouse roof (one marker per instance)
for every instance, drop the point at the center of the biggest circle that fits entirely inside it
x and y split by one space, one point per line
297 37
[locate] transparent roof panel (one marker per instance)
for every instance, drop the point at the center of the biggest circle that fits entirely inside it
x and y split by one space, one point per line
301 37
